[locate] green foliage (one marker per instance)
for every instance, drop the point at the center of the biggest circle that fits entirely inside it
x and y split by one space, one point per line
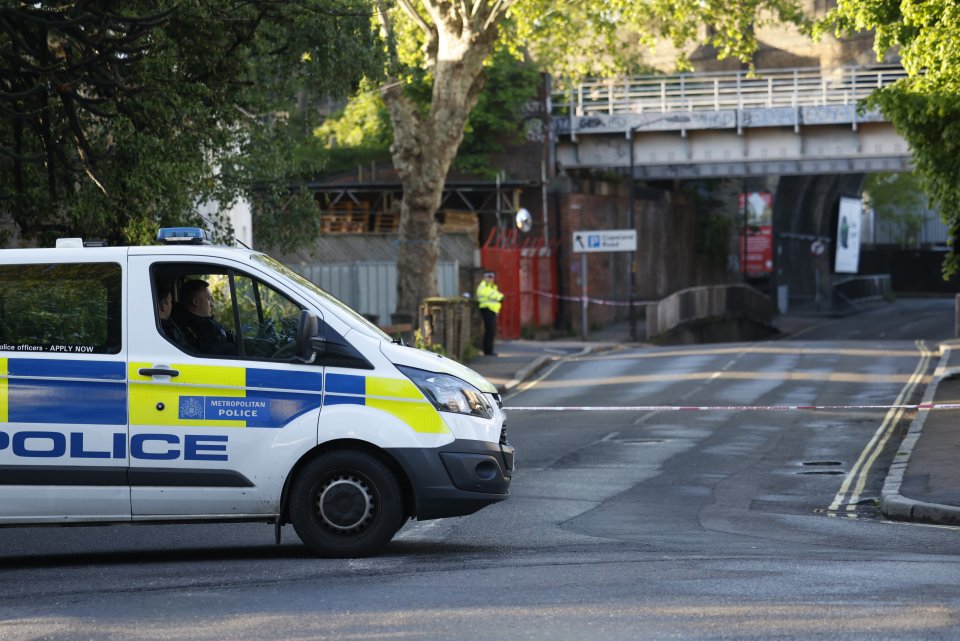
712 237
470 352
421 343
897 200
363 122
510 85
358 134
124 116
616 32
924 107
361 132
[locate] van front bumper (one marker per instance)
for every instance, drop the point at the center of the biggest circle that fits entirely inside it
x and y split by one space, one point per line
456 479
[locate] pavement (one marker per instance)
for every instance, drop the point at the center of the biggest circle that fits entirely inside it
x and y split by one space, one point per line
923 482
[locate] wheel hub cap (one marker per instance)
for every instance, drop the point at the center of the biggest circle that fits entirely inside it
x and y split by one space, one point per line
345 504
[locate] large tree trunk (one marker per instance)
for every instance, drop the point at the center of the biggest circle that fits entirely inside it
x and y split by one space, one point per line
425 145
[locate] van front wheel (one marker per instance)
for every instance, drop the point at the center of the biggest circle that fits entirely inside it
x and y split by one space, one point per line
346 503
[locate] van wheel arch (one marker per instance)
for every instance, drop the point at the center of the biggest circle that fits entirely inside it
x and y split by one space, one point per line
409 496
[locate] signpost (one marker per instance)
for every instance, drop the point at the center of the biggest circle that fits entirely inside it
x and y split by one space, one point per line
597 241
609 240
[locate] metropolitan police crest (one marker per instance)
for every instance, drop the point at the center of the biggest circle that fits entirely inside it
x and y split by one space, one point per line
191 407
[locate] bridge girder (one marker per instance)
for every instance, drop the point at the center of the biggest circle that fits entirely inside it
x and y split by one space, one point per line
730 143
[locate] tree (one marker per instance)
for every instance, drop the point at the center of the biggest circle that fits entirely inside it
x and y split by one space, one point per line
897 200
361 132
119 117
925 106
447 42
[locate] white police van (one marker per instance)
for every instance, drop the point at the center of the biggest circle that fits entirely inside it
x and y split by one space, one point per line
314 417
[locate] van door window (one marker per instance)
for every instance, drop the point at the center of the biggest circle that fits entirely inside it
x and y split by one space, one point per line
268 319
225 313
74 308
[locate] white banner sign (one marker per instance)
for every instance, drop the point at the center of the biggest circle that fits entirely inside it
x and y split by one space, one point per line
610 240
848 236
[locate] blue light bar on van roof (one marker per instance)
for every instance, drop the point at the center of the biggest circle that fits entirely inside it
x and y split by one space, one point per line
183 236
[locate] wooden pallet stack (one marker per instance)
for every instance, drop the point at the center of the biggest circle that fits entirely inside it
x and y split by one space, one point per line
459 221
345 217
386 222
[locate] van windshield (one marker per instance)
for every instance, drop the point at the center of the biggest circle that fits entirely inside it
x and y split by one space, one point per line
313 288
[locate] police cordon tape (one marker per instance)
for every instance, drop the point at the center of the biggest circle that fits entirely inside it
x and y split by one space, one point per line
595 301
734 408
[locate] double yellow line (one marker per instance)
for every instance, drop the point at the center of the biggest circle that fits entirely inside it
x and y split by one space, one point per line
853 485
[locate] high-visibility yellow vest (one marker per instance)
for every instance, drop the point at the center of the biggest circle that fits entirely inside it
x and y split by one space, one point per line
489 296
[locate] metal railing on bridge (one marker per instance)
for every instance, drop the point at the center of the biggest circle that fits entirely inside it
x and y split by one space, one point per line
715 91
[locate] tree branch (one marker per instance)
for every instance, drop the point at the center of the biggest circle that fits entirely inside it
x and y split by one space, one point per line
386 30
411 11
498 10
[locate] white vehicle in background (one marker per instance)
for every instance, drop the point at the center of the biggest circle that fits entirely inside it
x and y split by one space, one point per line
313 417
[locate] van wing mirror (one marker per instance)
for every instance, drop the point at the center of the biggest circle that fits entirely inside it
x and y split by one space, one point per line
329 349
307 339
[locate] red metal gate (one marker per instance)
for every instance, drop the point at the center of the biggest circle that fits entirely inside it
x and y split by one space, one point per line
527 276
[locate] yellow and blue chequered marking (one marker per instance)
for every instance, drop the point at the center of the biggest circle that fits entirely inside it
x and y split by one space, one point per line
35 390
214 396
395 396
88 392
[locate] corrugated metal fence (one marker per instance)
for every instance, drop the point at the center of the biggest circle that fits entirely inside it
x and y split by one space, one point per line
371 287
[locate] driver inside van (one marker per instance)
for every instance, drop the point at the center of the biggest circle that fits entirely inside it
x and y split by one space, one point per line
195 316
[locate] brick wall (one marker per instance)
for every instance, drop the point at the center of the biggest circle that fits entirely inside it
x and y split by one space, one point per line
666 258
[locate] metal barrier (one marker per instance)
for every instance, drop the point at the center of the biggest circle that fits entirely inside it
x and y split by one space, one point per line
715 91
371 287
860 289
688 307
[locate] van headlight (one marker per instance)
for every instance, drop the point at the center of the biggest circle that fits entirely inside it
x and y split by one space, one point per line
449 393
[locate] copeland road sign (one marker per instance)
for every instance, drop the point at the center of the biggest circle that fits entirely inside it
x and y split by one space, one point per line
608 240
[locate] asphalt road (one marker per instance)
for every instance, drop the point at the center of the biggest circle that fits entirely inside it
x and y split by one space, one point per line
702 524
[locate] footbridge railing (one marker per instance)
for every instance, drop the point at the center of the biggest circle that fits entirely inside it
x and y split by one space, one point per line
716 91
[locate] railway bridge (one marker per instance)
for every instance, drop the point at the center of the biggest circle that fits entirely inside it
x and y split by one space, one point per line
784 122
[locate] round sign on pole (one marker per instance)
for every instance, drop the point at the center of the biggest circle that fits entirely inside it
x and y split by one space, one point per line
818 247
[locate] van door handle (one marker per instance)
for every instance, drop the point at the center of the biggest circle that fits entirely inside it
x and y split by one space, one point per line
158 371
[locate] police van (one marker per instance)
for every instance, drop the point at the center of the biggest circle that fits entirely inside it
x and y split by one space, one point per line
301 411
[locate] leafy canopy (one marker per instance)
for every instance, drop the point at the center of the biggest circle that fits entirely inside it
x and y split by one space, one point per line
575 39
569 38
361 132
897 200
121 116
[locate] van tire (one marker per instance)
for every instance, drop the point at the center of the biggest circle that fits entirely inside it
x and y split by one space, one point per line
346 503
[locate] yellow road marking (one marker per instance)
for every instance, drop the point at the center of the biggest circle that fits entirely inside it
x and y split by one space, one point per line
857 477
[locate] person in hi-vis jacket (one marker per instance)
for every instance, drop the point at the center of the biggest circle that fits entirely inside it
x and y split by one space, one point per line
489 299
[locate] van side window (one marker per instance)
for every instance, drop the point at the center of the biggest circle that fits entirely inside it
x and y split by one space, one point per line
73 308
242 316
